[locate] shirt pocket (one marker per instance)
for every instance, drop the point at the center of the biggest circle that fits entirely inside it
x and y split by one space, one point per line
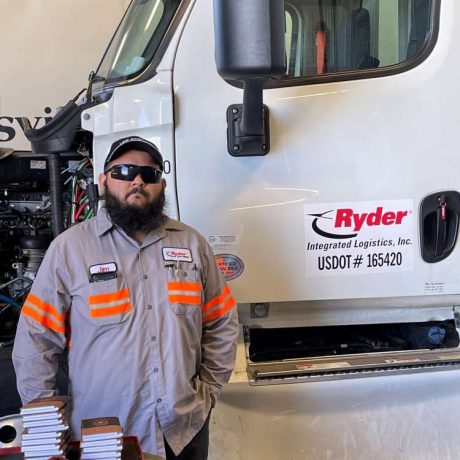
184 291
109 302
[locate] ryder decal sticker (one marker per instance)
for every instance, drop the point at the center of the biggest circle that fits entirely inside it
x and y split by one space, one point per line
177 254
357 238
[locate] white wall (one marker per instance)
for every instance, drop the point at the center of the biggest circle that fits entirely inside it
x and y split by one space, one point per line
47 49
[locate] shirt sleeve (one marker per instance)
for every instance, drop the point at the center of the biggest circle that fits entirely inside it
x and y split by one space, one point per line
220 328
42 334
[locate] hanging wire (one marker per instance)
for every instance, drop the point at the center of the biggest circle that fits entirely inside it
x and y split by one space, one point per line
10 301
80 204
77 182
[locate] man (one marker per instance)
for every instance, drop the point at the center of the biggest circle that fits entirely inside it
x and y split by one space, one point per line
140 304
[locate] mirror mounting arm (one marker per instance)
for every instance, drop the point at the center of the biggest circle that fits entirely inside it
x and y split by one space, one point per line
248 129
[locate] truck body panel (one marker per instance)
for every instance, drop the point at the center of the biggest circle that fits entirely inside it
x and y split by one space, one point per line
408 417
353 145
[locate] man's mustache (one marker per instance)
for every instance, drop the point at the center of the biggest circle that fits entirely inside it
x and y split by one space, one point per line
136 190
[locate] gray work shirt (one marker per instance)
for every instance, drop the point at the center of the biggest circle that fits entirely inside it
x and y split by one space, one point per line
150 329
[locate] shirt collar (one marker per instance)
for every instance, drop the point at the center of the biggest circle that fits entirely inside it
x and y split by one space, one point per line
104 224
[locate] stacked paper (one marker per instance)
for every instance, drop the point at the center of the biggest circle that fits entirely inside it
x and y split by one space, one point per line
101 438
46 431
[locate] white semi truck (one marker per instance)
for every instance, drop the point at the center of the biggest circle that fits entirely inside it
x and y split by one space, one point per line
333 209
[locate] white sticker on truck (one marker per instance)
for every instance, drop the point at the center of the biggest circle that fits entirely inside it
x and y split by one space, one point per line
221 243
357 238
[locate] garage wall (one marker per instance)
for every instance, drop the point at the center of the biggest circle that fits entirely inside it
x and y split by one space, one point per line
47 49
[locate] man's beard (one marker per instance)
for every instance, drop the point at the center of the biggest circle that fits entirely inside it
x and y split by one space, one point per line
136 218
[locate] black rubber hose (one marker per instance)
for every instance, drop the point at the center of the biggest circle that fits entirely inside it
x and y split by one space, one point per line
57 215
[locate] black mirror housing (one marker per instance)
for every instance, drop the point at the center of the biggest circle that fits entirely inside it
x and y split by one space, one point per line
249 38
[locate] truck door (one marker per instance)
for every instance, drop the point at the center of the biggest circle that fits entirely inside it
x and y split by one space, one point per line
357 198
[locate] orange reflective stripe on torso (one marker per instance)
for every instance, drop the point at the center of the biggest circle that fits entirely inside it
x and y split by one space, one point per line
108 304
184 292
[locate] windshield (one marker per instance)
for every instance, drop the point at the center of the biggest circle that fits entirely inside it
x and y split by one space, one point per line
137 39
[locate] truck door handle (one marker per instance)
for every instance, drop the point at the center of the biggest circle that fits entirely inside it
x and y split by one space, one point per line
439 224
441 227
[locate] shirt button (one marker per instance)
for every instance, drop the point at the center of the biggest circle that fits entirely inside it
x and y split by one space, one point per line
153 338
159 400
146 277
156 369
149 307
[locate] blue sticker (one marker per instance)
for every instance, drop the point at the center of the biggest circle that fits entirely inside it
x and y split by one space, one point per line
230 265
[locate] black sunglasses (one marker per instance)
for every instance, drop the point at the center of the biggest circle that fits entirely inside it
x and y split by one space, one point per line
149 174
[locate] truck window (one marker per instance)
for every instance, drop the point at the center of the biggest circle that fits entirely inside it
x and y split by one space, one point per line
137 39
334 36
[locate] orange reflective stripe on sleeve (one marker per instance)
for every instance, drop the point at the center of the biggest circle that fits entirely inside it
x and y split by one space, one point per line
45 307
109 311
229 304
217 300
42 319
219 305
98 299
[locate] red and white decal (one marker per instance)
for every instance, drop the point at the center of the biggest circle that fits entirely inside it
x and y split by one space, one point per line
357 238
347 218
177 254
110 267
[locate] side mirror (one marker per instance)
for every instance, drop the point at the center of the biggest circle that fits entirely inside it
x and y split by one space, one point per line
250 47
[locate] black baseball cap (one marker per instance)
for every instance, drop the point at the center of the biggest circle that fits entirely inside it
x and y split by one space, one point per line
133 143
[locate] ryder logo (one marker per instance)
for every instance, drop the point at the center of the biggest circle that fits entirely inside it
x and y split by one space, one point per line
347 218
352 222
177 254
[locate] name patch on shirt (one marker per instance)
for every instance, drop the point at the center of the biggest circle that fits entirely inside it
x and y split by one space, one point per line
102 272
177 254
